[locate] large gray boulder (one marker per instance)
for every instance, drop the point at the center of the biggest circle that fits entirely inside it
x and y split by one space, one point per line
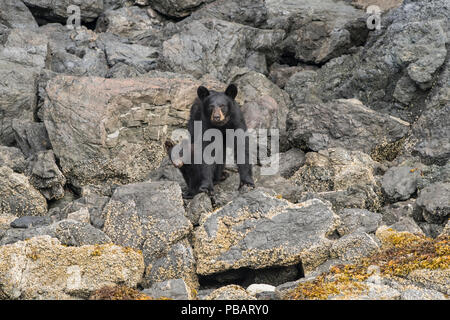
110 130
14 14
74 51
150 216
13 158
316 30
435 202
264 105
44 175
18 89
399 183
215 46
176 8
27 47
31 137
18 196
57 10
358 220
248 12
257 231
132 22
141 58
42 268
342 123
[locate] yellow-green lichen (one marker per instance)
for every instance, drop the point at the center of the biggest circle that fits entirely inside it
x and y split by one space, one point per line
401 253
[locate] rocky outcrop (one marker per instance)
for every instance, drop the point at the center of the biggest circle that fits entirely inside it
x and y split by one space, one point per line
342 123
149 216
17 97
18 196
216 46
14 14
257 231
127 121
70 272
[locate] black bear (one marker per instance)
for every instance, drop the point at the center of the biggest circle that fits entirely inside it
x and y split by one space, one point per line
220 111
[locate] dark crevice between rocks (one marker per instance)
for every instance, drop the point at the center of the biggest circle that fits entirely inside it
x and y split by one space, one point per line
288 57
43 17
246 276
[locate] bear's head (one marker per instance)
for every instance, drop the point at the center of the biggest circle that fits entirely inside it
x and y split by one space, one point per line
218 106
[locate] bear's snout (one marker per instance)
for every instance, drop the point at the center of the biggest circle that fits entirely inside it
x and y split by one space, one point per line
217 115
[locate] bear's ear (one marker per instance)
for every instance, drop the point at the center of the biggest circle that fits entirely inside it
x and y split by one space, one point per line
231 91
202 92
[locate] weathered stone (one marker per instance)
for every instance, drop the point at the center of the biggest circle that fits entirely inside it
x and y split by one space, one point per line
130 22
280 74
175 289
263 104
230 292
141 58
177 8
11 157
51 10
31 221
435 201
422 294
399 183
290 162
336 169
14 14
18 87
174 262
247 12
70 272
26 47
373 291
342 123
45 175
18 197
81 215
358 220
74 52
94 203
256 230
411 42
127 120
407 224
394 212
352 247
432 279
68 232
193 49
149 216
199 206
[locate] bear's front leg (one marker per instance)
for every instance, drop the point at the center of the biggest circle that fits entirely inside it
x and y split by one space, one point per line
206 184
242 147
245 175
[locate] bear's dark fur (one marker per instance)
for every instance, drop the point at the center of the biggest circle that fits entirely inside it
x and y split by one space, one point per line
215 110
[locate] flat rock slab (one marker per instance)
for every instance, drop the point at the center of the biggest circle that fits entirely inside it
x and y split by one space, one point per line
257 230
